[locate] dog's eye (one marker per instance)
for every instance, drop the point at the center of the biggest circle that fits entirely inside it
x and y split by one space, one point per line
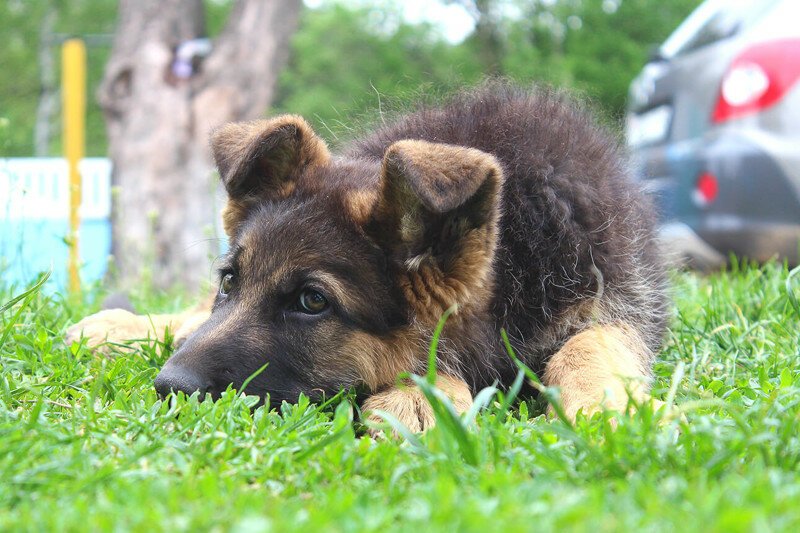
226 284
312 302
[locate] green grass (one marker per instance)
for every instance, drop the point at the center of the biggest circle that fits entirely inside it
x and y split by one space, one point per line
85 444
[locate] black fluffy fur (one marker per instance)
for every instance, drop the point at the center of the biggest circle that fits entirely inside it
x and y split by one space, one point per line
570 210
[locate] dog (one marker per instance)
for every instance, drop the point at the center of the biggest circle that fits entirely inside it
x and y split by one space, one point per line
509 205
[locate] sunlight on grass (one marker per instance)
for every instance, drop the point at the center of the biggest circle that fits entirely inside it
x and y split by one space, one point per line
88 436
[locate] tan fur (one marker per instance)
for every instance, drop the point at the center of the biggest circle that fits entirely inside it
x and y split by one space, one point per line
378 361
421 176
114 327
409 405
233 214
467 284
360 204
598 368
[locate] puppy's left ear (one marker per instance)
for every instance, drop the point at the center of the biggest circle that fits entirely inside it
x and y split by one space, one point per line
437 218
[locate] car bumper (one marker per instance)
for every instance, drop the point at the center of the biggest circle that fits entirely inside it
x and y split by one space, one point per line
709 248
756 213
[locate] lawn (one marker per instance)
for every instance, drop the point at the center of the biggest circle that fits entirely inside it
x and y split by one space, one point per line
85 444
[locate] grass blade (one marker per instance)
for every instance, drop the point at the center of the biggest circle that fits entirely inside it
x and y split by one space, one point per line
511 394
549 394
29 291
433 348
790 290
26 298
448 421
402 430
482 399
253 376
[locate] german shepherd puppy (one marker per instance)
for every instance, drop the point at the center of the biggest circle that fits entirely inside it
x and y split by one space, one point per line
510 205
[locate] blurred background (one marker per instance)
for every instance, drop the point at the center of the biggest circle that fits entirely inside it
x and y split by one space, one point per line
704 93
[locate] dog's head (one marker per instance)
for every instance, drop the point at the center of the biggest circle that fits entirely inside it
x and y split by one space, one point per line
338 270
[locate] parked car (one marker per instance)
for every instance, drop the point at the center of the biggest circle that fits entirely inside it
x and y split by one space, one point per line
714 128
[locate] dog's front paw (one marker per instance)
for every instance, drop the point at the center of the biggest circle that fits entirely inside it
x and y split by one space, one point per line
109 326
408 405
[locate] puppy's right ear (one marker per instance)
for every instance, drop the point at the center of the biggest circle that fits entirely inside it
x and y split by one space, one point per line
262 160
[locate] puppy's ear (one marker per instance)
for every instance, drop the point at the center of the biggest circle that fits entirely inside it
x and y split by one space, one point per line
262 160
437 218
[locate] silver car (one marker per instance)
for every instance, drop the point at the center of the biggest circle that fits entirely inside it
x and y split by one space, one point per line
714 127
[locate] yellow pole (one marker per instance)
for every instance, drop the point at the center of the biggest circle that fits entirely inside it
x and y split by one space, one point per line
73 89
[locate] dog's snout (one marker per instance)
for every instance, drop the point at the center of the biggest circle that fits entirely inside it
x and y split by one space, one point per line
173 378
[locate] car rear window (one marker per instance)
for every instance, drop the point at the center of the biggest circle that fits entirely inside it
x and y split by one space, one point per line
713 21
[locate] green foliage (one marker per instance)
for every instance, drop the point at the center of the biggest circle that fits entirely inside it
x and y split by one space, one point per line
216 12
19 92
611 46
592 46
4 135
351 60
87 438
346 61
20 24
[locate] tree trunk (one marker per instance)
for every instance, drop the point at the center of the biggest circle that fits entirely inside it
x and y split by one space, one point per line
158 126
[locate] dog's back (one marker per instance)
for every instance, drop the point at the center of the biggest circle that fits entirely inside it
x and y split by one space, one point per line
576 243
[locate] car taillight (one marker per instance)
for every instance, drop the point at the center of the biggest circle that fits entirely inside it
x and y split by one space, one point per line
758 78
706 189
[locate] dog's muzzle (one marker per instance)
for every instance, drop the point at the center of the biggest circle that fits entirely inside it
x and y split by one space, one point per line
174 378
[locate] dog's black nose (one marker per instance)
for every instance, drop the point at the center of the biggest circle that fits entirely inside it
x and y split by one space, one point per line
173 378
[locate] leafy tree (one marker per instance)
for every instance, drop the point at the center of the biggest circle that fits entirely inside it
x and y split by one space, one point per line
345 61
595 46
21 25
608 47
4 142
348 60
21 87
